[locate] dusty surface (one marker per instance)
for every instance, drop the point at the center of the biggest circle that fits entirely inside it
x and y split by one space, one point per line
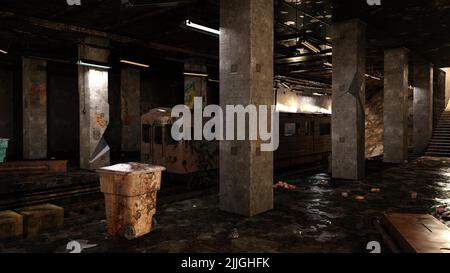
314 217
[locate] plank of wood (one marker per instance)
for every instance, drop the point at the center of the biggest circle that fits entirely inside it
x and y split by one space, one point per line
34 166
418 233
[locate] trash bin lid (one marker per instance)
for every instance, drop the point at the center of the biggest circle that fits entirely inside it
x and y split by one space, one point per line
131 168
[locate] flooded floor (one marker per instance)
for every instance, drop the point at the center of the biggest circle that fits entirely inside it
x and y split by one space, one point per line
319 215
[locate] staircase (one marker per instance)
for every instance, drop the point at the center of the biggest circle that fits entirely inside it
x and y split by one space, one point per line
440 141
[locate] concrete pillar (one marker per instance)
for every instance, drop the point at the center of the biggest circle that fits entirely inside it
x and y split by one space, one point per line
246 77
423 106
7 121
195 86
131 109
94 107
34 108
438 95
349 66
395 107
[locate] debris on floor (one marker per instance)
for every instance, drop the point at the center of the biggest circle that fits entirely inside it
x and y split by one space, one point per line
234 234
284 185
344 194
360 198
441 209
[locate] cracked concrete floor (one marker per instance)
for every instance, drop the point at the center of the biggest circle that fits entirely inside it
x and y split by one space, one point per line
314 217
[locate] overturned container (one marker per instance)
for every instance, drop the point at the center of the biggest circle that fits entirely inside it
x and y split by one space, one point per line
130 197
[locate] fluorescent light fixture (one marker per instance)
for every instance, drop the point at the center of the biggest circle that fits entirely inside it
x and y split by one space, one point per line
3 51
373 77
134 63
93 65
190 24
211 80
310 46
318 94
328 64
194 74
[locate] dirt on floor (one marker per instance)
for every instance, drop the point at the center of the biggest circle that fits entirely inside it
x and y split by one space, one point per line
319 214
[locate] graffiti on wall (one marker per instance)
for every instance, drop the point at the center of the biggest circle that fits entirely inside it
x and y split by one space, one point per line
38 93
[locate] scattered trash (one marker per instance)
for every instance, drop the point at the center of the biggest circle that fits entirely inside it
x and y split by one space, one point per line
344 194
298 232
234 234
323 184
375 190
284 185
78 246
444 162
360 198
441 209
194 206
414 195
446 215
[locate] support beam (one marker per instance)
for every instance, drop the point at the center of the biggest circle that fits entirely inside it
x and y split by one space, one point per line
94 107
447 86
422 106
395 108
131 109
246 77
34 108
349 66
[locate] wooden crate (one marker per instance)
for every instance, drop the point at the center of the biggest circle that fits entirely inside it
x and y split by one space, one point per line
130 197
11 224
418 233
41 218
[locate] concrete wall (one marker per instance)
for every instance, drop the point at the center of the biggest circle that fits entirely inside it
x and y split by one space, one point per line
447 85
63 118
438 95
130 106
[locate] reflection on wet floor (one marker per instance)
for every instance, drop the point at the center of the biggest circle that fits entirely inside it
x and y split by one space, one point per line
316 216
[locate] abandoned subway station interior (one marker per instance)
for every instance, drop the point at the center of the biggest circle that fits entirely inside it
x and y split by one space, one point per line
239 126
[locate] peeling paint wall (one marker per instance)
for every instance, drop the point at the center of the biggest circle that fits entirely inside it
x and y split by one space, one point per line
374 125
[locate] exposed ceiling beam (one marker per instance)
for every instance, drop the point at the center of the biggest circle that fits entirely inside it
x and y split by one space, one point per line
42 23
137 18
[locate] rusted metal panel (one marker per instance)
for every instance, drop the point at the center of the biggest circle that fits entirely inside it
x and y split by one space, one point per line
418 233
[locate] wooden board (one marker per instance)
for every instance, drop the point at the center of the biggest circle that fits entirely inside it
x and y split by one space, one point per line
418 233
34 166
11 224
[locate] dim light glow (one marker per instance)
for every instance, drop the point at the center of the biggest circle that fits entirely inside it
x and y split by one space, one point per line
190 24
98 80
3 51
328 64
80 62
135 63
211 80
195 74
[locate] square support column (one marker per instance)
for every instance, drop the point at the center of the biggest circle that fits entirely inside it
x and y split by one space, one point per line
195 86
94 107
422 106
395 106
34 108
131 109
246 77
348 100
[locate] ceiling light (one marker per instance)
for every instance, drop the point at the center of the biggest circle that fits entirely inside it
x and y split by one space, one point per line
373 77
310 46
135 63
328 64
211 80
195 74
93 65
200 28
4 52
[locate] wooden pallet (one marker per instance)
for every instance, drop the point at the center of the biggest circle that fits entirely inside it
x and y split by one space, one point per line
417 233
